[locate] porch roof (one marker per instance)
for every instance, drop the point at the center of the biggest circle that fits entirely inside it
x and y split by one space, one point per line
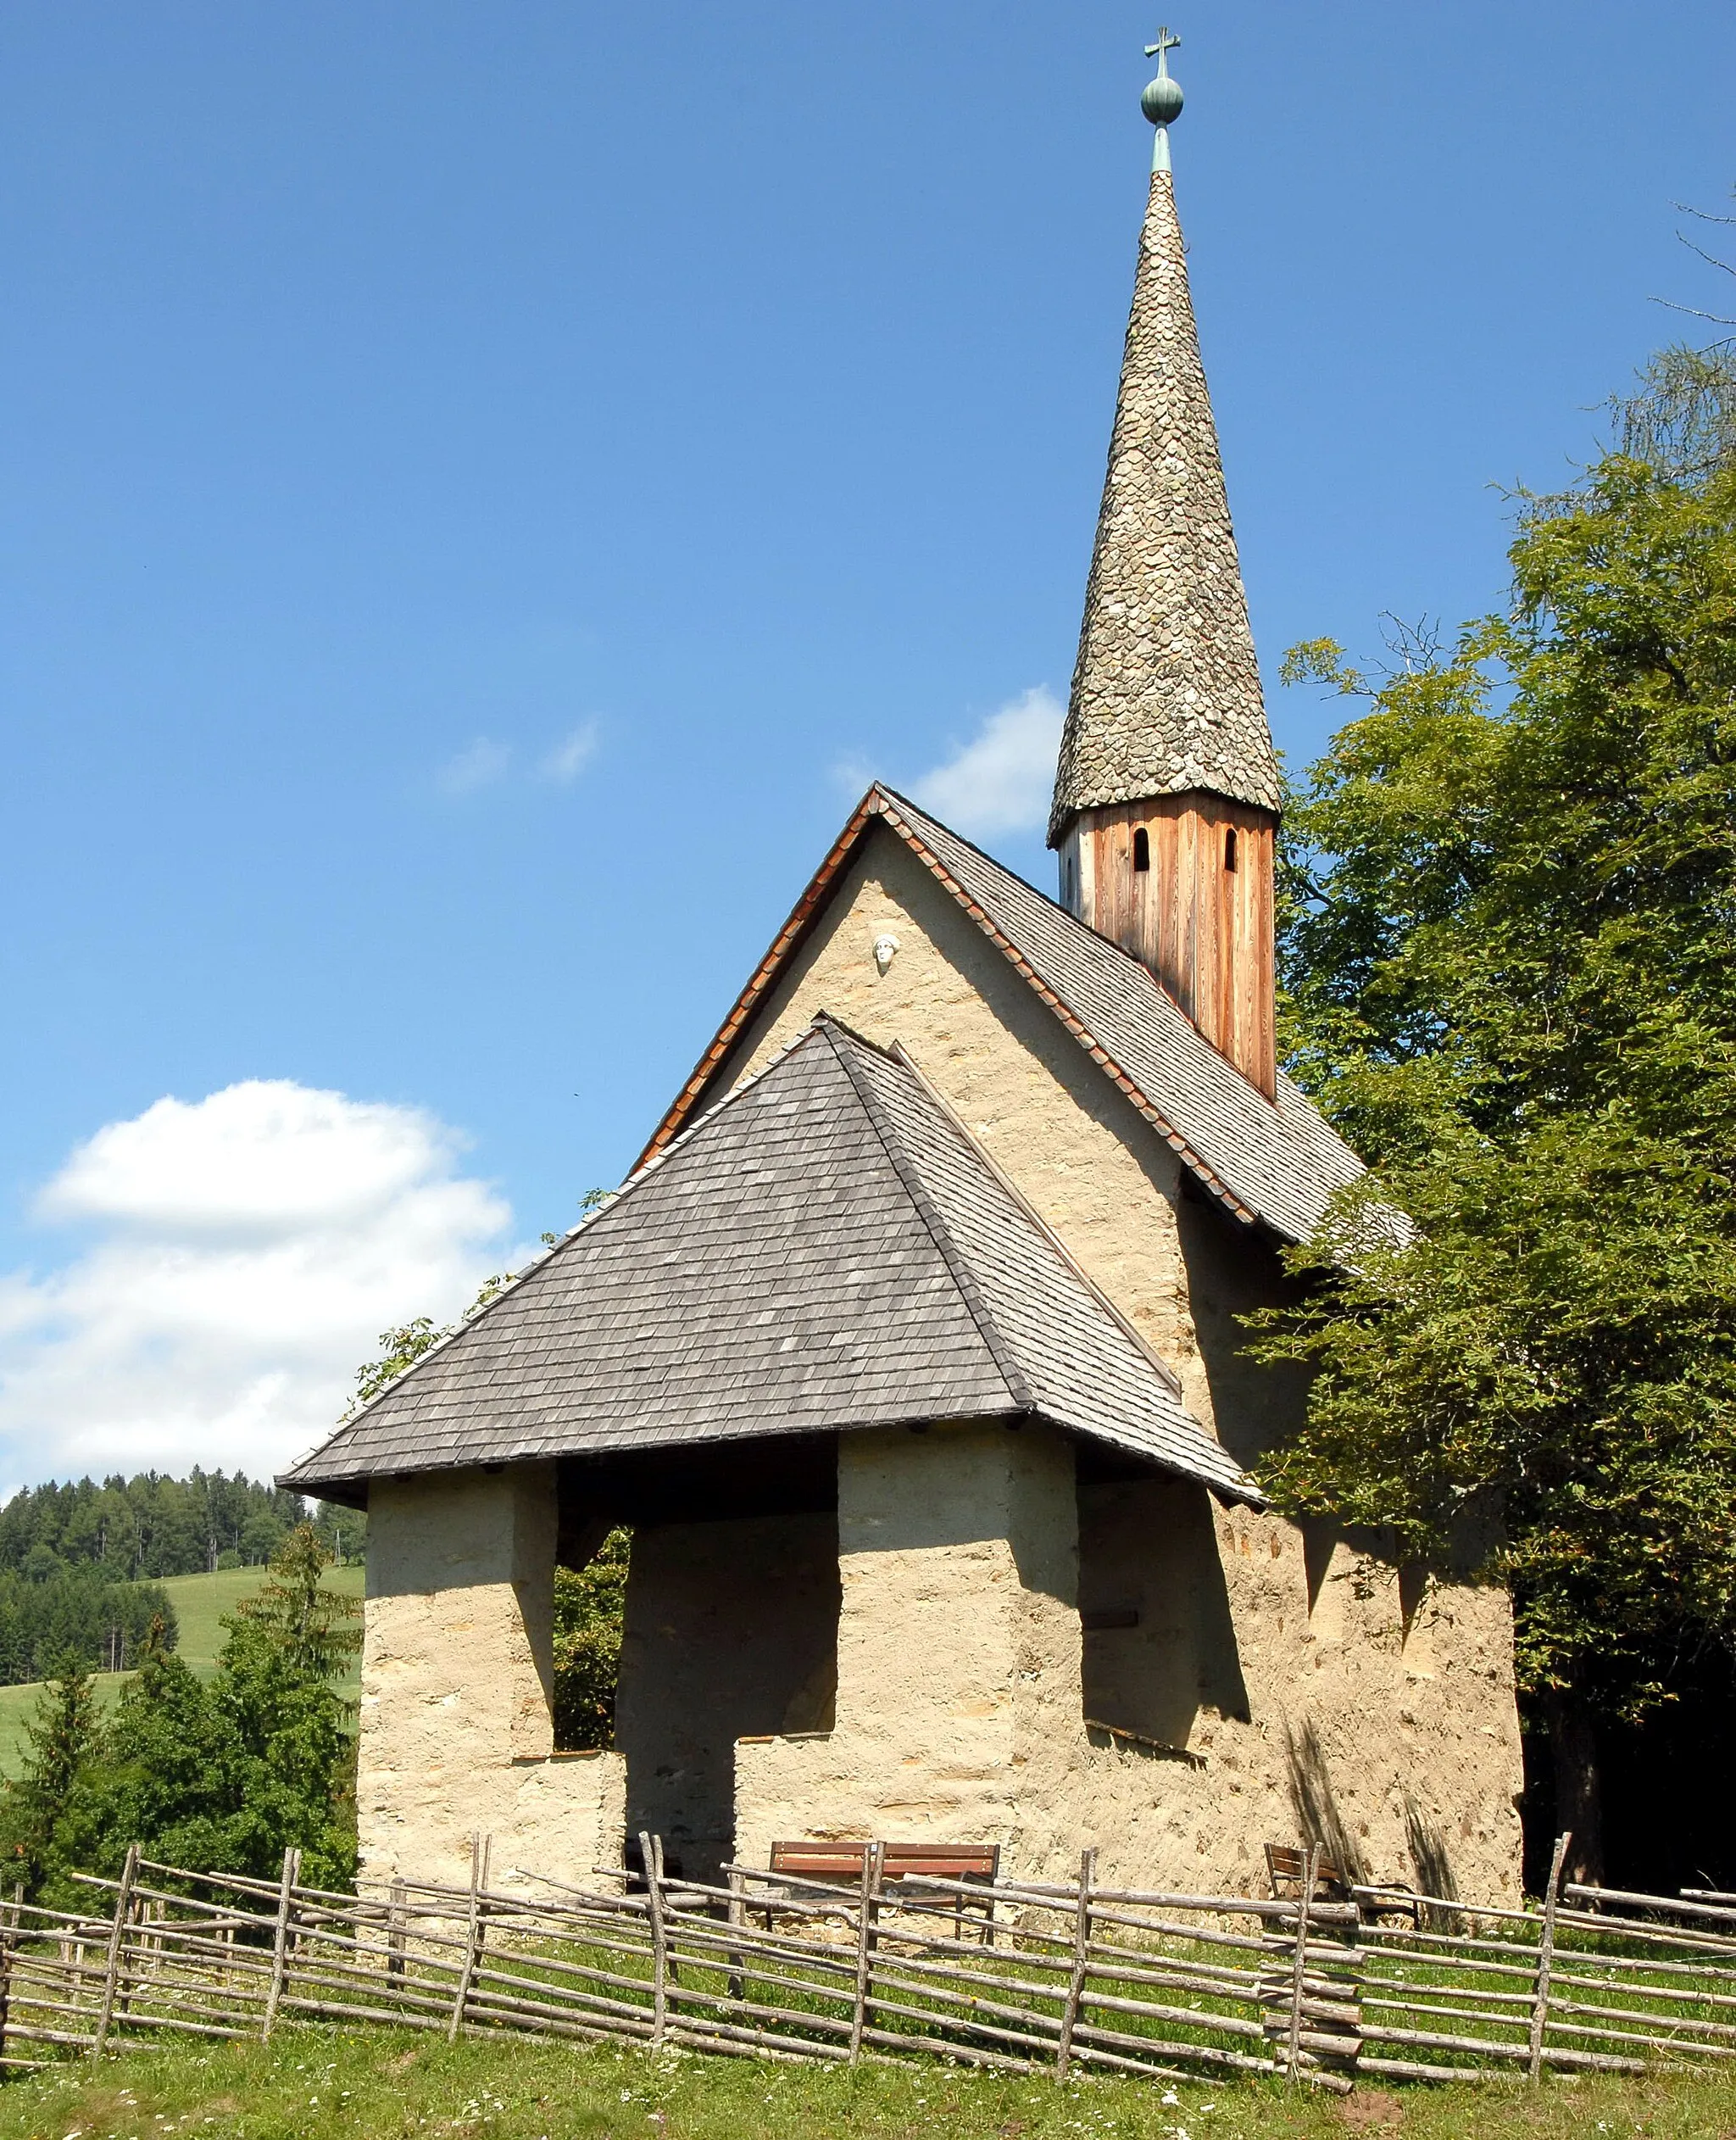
826 1249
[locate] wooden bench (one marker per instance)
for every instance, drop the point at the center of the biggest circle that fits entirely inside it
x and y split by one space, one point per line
810 1860
960 1861
1287 1868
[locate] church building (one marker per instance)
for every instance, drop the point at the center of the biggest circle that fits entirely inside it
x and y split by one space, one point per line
911 1354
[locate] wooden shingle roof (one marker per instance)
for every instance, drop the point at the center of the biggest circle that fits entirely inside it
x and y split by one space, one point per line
1166 693
1276 1162
826 1250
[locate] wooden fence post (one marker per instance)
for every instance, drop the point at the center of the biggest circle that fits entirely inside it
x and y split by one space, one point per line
8 1942
111 1974
395 1922
873 1859
1081 1961
738 1916
481 1847
1299 1968
279 1939
1546 1957
651 1851
1353 1989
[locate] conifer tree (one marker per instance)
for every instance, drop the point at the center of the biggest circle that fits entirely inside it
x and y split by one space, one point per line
290 1725
225 1776
310 1627
64 1743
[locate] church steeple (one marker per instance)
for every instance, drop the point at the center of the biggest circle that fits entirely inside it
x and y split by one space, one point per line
1167 792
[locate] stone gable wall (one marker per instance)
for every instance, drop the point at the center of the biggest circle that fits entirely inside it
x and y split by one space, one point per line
1387 1708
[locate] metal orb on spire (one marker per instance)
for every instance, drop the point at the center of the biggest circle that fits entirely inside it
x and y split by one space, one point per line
1161 98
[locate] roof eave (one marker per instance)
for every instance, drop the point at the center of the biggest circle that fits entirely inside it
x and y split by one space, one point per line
351 1487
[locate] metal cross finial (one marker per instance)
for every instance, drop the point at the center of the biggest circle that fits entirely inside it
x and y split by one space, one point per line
1161 50
1160 100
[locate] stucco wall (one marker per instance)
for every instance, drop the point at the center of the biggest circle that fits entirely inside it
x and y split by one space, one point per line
1393 1744
1390 1727
456 1731
732 1628
958 1649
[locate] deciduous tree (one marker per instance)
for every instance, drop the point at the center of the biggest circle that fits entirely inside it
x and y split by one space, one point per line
588 1610
1509 972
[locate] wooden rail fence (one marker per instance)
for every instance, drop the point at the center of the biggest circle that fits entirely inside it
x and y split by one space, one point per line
1059 1976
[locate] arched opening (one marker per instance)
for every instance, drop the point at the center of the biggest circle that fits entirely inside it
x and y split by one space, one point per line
1141 848
1230 847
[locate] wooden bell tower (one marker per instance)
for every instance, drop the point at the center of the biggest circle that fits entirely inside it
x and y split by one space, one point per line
1185 883
1167 793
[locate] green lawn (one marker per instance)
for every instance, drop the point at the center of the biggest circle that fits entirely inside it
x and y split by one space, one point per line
200 1602
391 2086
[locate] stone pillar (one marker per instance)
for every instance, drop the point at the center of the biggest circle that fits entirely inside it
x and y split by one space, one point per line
959 1712
456 1725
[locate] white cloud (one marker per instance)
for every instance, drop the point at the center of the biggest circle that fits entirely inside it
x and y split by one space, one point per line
1001 781
242 1254
568 760
851 776
476 766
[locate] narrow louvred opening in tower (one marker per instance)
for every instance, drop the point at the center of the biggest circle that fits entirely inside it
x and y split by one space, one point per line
1230 847
1141 848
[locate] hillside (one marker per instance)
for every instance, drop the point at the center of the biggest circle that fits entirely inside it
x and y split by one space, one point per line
200 1602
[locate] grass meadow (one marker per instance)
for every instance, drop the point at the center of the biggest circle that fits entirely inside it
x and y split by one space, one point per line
403 2086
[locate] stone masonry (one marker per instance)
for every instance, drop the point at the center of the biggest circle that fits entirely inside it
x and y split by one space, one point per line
457 1733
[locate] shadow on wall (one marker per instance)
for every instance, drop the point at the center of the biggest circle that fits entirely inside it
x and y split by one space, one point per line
731 1630
1320 1542
1231 1271
1160 1642
1316 1810
1431 1865
1370 1564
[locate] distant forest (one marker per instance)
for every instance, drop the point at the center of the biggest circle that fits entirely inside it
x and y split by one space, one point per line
142 1528
77 1613
82 1565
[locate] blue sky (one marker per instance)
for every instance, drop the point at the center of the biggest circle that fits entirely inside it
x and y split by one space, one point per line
483 483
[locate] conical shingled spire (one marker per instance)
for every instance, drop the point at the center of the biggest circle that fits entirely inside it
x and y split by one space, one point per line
1166 693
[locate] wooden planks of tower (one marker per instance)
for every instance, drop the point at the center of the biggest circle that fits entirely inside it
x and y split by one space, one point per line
1199 915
